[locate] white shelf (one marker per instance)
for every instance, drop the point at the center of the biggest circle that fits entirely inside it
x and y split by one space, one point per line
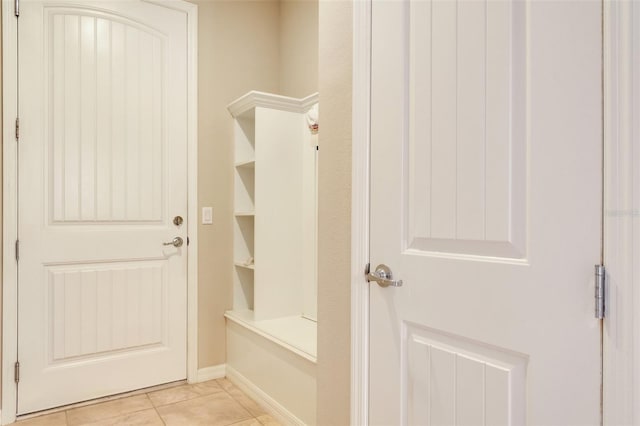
295 333
249 164
272 131
242 265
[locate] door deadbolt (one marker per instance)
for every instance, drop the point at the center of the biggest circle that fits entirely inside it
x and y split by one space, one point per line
177 221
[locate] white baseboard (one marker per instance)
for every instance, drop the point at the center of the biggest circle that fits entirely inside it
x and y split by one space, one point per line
271 405
210 373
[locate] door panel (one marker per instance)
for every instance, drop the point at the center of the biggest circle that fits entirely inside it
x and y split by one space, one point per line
102 173
466 148
106 120
452 380
485 200
98 309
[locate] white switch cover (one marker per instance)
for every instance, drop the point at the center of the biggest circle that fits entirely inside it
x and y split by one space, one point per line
207 215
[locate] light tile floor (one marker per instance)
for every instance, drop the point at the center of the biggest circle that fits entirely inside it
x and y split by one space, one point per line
212 403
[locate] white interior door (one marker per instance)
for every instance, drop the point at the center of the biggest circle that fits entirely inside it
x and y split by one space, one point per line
102 174
486 176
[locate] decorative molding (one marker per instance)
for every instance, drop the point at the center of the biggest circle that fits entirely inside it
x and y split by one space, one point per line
621 340
360 212
255 99
209 373
192 185
271 405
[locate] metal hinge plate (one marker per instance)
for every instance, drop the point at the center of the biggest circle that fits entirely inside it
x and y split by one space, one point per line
16 371
600 281
17 250
16 6
17 129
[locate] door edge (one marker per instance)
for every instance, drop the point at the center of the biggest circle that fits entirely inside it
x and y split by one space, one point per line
9 211
360 212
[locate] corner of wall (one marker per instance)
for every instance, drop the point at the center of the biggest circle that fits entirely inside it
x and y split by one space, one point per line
334 227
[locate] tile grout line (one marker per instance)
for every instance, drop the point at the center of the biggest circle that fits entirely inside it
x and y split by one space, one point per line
231 391
239 403
156 410
187 399
242 405
110 416
101 400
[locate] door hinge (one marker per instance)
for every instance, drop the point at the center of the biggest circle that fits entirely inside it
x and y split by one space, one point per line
16 371
600 290
16 6
17 250
17 129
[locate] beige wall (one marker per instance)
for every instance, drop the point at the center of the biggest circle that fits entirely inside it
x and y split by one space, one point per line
241 45
238 46
298 47
334 260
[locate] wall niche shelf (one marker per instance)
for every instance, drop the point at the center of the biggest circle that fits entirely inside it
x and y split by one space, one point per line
270 336
271 138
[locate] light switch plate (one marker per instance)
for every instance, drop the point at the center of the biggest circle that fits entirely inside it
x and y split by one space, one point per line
207 215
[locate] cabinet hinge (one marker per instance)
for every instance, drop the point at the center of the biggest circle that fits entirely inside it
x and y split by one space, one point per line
17 250
600 291
17 129
16 371
16 8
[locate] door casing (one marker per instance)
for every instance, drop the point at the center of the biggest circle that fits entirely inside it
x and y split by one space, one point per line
621 341
10 198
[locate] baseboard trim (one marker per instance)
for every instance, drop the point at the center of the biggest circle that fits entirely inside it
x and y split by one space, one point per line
210 373
271 405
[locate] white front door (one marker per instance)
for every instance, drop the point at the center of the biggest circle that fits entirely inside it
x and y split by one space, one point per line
102 174
486 150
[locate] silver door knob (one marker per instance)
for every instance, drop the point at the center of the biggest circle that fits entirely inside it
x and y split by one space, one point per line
383 276
176 242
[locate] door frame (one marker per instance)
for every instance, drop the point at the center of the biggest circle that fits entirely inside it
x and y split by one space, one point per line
621 341
10 197
360 208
